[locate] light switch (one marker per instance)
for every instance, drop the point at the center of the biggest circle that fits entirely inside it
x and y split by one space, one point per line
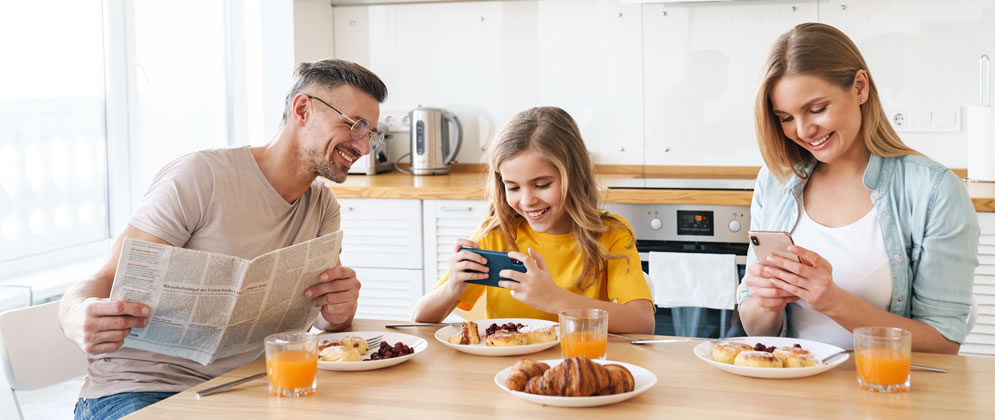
948 120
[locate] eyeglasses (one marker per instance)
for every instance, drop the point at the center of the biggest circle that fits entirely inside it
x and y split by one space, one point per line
359 127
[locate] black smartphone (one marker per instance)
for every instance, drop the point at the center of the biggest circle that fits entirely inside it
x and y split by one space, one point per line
496 261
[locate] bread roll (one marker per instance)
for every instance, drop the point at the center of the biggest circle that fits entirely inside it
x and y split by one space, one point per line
469 334
793 357
341 354
538 335
757 359
726 352
358 343
506 338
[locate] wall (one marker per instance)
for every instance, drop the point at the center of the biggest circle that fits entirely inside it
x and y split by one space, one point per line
655 84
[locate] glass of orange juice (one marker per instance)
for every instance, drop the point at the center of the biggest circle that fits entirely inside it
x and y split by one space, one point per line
584 333
883 356
292 363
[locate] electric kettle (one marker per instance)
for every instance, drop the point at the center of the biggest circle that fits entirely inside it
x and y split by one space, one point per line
432 143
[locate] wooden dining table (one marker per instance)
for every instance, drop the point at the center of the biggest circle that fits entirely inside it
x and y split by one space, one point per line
443 383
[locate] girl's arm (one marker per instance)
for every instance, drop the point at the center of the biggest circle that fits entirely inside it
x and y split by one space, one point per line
439 303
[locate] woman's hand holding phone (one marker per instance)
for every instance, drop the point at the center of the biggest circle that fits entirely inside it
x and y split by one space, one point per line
465 265
811 279
764 291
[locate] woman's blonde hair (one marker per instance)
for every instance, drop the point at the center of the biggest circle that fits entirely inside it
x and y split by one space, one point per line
552 133
823 51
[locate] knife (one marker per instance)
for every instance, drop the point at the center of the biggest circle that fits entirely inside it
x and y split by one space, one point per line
423 324
668 340
226 385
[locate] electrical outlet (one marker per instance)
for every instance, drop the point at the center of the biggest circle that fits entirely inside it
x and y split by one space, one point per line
898 120
925 119
394 122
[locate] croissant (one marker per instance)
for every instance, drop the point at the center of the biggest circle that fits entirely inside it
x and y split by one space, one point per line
620 380
576 377
523 370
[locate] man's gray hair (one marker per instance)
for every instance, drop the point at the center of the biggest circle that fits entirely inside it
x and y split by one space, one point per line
331 74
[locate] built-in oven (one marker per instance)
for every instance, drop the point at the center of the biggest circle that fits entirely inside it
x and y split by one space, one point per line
703 229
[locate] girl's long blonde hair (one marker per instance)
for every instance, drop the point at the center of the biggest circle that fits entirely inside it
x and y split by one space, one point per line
823 51
555 136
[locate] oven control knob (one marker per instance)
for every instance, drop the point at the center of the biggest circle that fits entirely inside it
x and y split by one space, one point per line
656 224
735 226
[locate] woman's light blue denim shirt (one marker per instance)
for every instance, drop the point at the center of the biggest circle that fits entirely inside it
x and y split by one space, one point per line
929 227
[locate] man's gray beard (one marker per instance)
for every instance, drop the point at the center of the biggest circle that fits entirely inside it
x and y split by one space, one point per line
328 170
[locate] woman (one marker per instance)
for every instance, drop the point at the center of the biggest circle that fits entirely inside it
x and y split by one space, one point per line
886 236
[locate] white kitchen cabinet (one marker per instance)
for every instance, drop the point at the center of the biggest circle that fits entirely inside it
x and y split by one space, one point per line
445 222
388 293
381 233
382 241
981 340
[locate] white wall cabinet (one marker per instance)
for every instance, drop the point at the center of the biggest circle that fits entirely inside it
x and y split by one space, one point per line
382 241
445 222
981 340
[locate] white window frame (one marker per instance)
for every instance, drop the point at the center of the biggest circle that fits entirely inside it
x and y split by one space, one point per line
55 270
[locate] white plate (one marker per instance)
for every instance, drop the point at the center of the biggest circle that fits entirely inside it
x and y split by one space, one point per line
483 349
818 350
643 378
417 344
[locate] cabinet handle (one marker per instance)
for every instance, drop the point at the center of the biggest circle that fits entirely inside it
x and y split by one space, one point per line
452 208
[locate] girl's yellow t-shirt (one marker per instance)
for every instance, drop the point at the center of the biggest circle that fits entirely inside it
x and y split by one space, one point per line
621 283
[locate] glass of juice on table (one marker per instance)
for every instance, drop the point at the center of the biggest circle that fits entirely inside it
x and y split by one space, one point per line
883 356
292 363
584 333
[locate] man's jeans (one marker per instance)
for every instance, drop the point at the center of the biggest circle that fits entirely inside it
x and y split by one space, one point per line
117 405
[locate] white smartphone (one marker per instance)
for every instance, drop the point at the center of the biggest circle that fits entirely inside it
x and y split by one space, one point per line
766 243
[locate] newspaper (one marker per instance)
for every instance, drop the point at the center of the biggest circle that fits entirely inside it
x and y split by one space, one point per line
208 306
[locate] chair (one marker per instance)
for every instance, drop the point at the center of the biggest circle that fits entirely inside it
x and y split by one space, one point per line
973 317
34 354
649 282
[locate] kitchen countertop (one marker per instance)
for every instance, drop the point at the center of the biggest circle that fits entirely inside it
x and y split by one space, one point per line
469 185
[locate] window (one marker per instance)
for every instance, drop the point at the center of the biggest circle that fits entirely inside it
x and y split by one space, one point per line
53 154
97 95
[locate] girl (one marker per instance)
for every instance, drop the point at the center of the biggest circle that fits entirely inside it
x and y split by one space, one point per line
544 201
886 236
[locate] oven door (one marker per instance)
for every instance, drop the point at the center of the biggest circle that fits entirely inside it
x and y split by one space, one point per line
695 321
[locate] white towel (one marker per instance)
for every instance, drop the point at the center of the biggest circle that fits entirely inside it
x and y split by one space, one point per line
701 280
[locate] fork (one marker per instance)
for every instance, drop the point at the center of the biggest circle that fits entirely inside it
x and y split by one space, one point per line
373 342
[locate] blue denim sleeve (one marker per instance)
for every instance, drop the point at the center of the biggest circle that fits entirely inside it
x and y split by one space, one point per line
764 181
943 279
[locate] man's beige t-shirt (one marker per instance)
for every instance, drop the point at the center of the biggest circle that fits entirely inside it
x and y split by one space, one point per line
217 201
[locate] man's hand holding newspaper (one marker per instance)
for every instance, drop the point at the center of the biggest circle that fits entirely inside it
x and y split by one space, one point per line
207 306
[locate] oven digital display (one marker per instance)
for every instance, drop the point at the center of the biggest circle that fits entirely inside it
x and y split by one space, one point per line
699 223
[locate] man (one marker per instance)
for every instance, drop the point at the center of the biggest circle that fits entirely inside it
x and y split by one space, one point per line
242 202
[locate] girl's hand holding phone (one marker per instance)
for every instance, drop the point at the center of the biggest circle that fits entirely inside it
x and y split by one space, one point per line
535 287
811 279
462 262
